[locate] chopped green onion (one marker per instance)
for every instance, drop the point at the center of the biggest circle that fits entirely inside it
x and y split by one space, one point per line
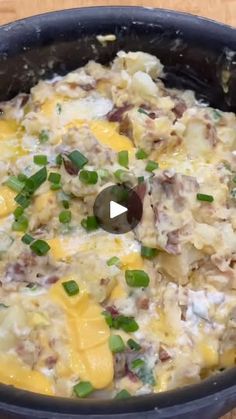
123 158
2 305
90 223
103 173
59 160
141 154
113 261
40 247
89 177
126 323
23 200
65 204
43 136
58 108
65 217
133 345
83 389
18 212
204 197
140 179
234 179
108 317
121 175
137 363
123 394
233 193
140 110
151 165
27 239
41 160
15 184
137 278
116 343
54 177
216 114
146 375
21 224
55 186
71 287
36 180
78 159
22 177
148 252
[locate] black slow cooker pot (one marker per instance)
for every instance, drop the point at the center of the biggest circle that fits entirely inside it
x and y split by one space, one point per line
197 54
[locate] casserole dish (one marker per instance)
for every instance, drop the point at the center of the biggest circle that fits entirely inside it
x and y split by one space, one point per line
56 43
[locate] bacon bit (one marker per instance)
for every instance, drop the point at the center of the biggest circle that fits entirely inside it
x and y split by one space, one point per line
143 303
50 361
179 108
70 167
28 259
183 309
173 244
163 354
104 281
119 365
112 310
211 134
141 190
87 87
133 377
152 115
116 114
52 279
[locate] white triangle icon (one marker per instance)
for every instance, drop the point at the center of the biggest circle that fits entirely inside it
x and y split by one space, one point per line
116 209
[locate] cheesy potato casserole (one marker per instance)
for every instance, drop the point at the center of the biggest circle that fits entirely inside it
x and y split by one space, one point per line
86 313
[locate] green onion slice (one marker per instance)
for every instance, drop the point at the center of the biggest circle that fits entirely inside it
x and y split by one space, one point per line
18 212
71 287
141 154
43 136
137 278
21 224
23 200
204 197
90 223
151 165
116 344
36 180
126 323
123 158
40 247
133 345
41 160
137 363
27 239
78 159
148 252
83 389
89 177
54 177
113 261
15 184
123 394
141 179
59 160
65 217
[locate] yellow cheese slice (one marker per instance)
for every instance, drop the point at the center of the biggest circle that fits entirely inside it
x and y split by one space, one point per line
7 202
88 333
14 372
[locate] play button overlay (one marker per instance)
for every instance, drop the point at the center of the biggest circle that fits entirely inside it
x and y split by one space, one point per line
118 209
